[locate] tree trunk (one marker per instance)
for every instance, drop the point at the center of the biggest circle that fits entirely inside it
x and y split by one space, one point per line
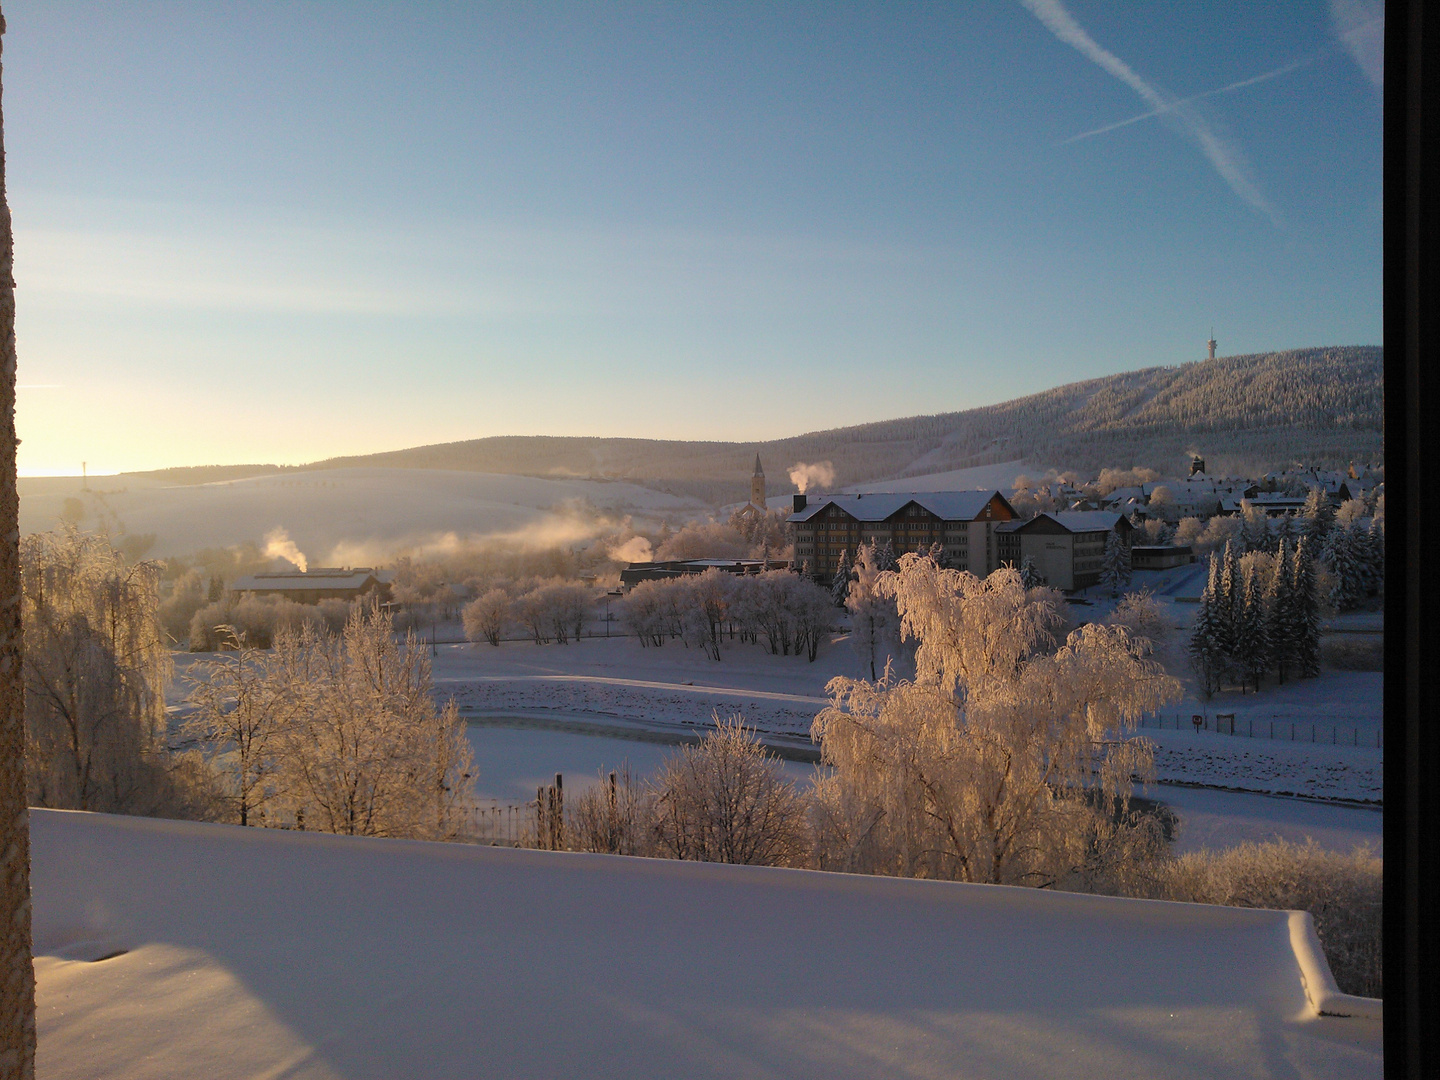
17 973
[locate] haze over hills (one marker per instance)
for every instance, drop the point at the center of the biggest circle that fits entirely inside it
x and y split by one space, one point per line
1245 414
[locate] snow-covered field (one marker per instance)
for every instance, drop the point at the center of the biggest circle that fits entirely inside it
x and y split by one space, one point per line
178 949
1222 819
343 516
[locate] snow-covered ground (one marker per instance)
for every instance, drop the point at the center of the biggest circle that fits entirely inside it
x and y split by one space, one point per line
1001 477
343 516
1223 819
178 949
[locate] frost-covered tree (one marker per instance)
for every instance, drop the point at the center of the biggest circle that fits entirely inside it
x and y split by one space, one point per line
1228 602
367 752
1208 655
486 617
1007 759
885 557
1142 615
1375 556
1029 576
96 669
1251 632
840 583
1317 516
1282 615
1346 556
242 704
1115 565
1254 527
874 622
1307 612
727 800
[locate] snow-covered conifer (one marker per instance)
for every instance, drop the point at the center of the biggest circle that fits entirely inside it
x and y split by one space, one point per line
1345 554
1115 565
1307 612
1317 516
1281 614
1251 637
840 582
1375 556
1207 656
1029 576
1254 527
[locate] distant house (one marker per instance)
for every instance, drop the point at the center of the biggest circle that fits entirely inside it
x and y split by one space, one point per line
1067 548
1160 556
321 583
635 573
962 523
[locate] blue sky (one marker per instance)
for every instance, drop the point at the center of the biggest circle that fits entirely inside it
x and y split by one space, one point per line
288 231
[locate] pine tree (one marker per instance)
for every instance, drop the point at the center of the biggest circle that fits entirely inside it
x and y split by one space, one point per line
1280 614
1345 555
1307 612
1030 578
1206 656
885 557
1251 639
1318 516
1255 527
1285 534
1228 603
840 583
1115 567
1375 557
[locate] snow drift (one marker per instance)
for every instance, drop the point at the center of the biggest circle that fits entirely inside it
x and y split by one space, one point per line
174 948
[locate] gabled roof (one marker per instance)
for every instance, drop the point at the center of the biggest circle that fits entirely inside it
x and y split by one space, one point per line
298 581
1075 521
880 505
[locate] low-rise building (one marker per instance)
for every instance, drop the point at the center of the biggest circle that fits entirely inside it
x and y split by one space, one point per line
635 573
1067 549
321 583
1160 556
962 523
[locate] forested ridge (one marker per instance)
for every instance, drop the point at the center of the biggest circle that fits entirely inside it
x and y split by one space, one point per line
1245 414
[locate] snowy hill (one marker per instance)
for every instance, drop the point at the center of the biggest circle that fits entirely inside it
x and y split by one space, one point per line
1244 413
345 516
179 949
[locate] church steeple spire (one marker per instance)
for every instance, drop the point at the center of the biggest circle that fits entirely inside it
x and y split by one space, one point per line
758 470
757 486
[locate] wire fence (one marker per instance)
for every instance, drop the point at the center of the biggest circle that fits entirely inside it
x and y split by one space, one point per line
1279 729
500 824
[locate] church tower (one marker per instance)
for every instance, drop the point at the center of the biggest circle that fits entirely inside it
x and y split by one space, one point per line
757 486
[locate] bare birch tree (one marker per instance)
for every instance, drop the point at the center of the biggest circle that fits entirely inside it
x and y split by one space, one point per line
17 972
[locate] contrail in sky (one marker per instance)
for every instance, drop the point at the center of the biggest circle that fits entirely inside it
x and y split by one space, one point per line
1227 160
1193 97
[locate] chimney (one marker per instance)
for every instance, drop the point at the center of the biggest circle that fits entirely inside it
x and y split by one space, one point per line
799 501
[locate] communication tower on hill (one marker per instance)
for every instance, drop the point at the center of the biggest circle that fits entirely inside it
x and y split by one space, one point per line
1211 343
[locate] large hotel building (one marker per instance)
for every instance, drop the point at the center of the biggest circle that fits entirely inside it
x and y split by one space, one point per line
962 522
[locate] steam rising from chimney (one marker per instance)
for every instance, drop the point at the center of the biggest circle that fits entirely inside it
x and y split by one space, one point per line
278 545
636 549
821 474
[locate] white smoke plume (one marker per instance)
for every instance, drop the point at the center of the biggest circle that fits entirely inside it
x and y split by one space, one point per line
636 549
278 545
821 474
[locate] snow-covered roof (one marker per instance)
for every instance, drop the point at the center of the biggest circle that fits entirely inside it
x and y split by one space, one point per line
321 578
879 505
1075 521
260 952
